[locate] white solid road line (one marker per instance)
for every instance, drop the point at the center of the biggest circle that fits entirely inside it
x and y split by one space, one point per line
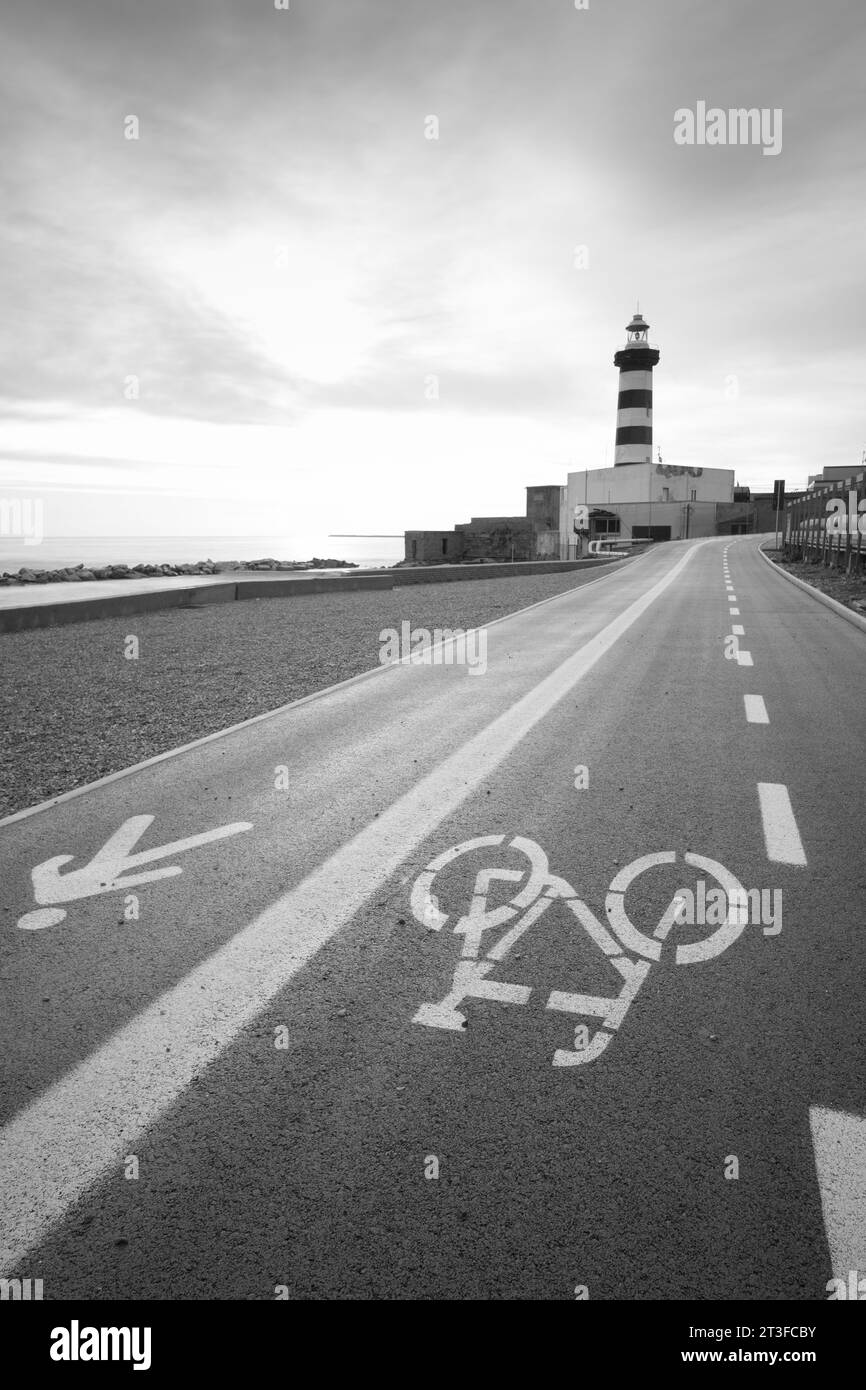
781 836
839 1141
756 710
82 1125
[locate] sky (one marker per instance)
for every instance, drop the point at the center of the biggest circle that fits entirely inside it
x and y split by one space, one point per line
367 262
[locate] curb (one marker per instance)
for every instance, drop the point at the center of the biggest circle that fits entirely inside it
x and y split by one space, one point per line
840 608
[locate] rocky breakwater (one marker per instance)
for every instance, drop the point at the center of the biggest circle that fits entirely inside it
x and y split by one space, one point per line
76 574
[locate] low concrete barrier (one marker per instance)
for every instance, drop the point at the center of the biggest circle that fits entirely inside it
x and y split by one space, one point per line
52 614
297 588
112 606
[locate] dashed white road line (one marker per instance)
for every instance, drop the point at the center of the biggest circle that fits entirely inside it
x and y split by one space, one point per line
756 710
735 613
738 630
85 1122
781 836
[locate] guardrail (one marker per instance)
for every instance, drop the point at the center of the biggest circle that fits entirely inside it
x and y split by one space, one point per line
826 528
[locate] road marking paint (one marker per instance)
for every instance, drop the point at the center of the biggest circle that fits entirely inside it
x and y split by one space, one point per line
756 710
781 836
735 613
542 888
839 1142
738 630
103 873
732 598
82 1125
732 649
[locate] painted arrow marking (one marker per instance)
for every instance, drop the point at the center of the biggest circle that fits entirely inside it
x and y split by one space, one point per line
109 869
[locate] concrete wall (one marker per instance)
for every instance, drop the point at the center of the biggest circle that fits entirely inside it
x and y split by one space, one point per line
654 495
433 547
640 482
498 538
543 506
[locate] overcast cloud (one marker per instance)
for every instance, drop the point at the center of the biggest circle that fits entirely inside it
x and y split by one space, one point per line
283 260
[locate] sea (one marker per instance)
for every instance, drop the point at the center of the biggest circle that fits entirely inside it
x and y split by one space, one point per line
56 552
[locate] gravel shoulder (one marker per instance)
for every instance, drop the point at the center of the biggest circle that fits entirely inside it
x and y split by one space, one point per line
73 708
849 589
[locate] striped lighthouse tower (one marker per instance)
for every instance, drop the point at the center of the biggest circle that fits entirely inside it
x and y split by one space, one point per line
634 408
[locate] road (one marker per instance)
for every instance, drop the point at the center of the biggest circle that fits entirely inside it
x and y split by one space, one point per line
288 1075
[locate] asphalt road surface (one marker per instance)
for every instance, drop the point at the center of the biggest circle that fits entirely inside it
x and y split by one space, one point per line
406 991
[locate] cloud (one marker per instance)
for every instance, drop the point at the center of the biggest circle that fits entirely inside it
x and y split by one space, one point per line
282 258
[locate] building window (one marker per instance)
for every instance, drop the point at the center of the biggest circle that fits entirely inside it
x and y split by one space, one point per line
444 545
414 550
666 494
606 525
694 496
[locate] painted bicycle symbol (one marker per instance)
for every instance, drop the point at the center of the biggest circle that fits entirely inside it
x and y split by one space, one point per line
630 951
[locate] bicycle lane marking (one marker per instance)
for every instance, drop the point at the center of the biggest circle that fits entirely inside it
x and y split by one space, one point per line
619 942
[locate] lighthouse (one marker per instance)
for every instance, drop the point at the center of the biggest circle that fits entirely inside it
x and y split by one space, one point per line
634 407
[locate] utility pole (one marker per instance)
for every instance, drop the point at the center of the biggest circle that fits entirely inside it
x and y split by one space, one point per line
778 498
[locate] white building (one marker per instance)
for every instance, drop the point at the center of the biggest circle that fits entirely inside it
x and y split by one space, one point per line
649 501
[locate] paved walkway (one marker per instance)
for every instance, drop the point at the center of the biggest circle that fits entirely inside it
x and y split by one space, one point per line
32 595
